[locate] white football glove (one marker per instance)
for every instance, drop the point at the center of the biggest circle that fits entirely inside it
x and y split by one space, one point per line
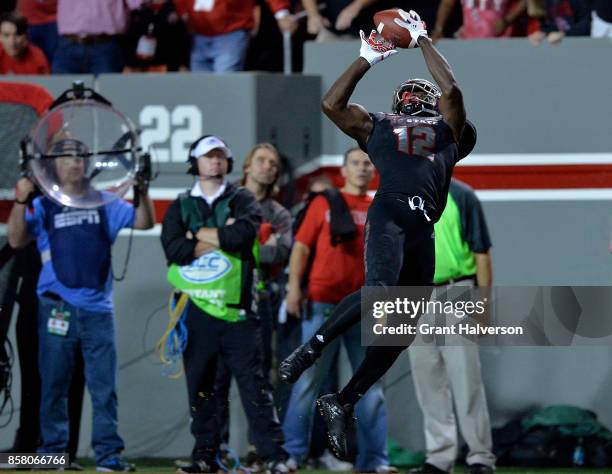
413 23
375 48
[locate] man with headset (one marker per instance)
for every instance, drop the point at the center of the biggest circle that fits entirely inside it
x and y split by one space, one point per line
209 238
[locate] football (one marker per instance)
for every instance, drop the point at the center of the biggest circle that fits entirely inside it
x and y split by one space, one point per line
391 31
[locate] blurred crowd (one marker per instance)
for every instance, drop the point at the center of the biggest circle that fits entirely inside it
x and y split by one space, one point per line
102 36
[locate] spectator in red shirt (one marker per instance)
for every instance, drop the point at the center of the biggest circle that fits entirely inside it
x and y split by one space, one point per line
42 18
481 18
17 55
222 29
336 270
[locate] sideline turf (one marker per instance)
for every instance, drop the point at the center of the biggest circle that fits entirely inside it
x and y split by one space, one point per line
155 466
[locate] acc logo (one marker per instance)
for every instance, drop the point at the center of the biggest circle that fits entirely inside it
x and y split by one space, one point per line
206 269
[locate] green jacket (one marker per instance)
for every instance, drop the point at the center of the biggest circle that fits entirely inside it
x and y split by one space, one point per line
221 283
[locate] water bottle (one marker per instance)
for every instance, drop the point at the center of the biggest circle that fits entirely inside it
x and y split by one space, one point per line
578 457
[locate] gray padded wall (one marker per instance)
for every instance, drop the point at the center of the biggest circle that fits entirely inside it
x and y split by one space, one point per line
522 99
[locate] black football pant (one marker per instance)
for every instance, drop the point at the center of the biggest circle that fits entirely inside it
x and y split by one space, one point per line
399 251
239 345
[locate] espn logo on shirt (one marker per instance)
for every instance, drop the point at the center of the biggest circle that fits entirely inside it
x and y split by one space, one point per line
77 217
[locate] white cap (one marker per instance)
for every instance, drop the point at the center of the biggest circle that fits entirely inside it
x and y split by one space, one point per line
207 144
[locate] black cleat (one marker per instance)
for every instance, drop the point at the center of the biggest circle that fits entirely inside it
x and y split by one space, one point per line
297 362
340 424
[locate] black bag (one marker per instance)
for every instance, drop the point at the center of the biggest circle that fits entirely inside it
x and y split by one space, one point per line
552 437
342 227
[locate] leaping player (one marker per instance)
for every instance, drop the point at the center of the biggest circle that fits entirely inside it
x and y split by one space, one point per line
415 150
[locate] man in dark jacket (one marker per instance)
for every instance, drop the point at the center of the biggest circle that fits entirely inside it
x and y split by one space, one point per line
208 237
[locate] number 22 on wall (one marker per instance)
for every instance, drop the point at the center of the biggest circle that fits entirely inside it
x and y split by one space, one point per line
419 140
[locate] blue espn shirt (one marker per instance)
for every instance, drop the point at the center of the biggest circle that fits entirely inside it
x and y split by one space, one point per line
119 214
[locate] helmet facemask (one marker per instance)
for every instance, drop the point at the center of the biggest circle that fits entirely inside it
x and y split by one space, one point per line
416 97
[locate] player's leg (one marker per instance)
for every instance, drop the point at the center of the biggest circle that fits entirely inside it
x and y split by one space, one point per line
337 409
384 240
345 315
417 254
417 267
297 423
371 413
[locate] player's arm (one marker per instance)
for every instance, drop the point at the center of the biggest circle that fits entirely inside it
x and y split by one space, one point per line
451 102
353 119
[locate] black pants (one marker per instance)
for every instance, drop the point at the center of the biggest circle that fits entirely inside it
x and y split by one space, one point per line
267 308
399 251
239 345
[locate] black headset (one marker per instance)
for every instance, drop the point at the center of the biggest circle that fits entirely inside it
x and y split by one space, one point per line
193 161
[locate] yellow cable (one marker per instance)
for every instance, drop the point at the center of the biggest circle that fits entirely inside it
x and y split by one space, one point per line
175 315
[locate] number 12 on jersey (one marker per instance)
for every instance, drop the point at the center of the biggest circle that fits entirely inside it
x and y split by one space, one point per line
419 140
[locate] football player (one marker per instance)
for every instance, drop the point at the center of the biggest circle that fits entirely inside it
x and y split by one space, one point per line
415 149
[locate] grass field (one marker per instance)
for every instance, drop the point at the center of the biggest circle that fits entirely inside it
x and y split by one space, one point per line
155 466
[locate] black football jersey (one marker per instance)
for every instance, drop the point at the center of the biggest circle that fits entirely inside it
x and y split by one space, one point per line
414 156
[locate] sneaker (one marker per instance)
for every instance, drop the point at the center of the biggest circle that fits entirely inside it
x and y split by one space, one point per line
278 467
329 462
199 467
384 469
292 464
115 464
340 423
427 469
478 468
298 361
